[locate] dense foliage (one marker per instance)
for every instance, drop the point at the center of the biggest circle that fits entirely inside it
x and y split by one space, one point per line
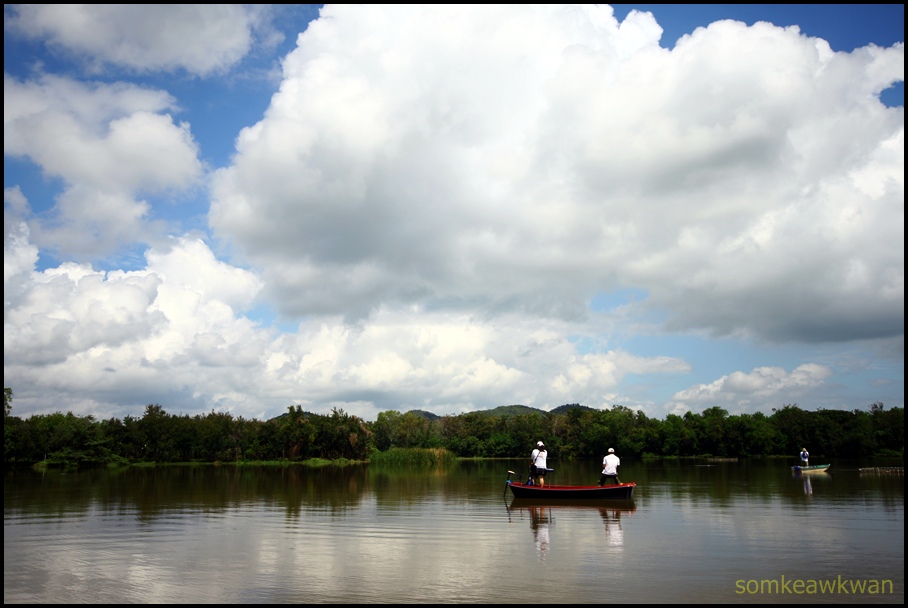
570 431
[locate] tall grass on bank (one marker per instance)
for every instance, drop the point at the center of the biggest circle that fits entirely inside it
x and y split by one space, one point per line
413 457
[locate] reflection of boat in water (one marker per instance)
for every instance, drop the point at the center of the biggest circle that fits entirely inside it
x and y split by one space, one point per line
622 491
815 475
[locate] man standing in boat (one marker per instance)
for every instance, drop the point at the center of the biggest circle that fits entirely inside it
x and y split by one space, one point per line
537 463
805 457
610 466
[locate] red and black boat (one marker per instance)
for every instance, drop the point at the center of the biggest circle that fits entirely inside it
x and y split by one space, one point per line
621 491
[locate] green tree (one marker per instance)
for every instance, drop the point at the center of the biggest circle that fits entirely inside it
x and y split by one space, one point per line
297 434
714 431
524 430
888 429
12 430
678 436
755 435
467 434
795 426
218 437
155 434
342 435
392 429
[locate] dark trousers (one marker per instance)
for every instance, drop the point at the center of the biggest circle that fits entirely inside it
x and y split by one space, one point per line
613 479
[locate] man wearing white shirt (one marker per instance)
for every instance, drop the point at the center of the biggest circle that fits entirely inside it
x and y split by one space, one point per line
610 466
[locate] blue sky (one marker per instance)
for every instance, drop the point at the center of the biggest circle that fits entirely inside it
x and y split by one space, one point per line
450 208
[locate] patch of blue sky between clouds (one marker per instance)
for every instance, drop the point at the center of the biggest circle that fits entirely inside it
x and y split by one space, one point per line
612 300
894 96
29 178
264 315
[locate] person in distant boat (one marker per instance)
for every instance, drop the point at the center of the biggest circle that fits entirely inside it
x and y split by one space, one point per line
537 464
805 457
610 466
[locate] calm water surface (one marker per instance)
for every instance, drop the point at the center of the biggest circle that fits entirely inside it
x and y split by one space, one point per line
696 532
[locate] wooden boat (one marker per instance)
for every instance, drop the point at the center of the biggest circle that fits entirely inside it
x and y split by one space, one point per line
621 491
814 468
624 491
603 506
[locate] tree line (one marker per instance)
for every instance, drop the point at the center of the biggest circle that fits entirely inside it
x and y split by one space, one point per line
570 431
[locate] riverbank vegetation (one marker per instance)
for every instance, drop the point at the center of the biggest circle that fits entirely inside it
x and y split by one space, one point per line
569 431
413 457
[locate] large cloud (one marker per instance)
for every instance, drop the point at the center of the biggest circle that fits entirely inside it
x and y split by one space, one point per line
452 209
199 38
529 157
109 144
175 333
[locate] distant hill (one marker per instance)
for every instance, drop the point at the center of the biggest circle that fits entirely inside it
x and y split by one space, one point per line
511 410
516 410
424 414
562 409
503 411
305 414
506 411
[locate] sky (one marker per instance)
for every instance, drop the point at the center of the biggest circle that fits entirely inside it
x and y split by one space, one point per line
449 208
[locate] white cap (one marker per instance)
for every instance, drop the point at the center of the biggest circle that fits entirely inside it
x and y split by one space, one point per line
611 450
540 444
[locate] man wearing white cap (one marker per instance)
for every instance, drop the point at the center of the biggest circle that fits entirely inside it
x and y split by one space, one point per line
537 465
610 466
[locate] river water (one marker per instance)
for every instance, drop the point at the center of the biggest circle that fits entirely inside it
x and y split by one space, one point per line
697 531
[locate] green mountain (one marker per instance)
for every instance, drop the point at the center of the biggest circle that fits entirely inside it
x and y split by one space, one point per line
516 410
512 410
505 411
424 414
562 409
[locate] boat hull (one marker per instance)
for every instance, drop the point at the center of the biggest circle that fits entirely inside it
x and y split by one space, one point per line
604 506
623 491
814 468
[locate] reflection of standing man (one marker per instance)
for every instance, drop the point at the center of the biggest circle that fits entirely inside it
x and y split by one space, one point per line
539 522
613 534
808 489
610 466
